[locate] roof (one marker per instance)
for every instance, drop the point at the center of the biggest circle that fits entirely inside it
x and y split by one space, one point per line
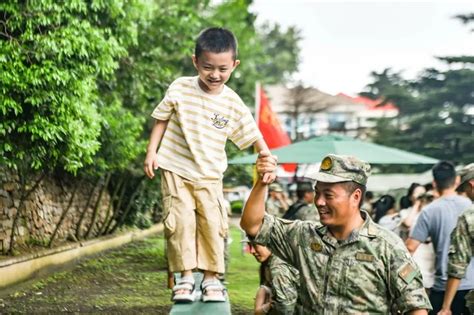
369 103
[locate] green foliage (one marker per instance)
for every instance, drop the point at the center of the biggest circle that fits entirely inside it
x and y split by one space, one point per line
50 57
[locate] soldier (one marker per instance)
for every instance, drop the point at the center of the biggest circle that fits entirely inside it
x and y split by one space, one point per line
278 292
303 209
462 246
349 264
276 203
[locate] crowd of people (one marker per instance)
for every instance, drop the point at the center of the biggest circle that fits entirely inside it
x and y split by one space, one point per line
421 224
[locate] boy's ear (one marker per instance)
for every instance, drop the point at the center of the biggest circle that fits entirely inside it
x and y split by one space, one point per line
194 61
236 63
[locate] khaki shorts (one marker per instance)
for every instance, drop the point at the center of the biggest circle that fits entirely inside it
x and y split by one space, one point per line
195 223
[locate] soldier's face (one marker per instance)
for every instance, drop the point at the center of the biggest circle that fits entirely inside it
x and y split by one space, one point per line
334 203
260 252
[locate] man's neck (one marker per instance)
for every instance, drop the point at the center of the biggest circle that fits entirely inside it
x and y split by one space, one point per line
344 231
447 192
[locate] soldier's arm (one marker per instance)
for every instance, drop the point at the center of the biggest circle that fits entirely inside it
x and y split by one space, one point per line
254 209
460 253
405 283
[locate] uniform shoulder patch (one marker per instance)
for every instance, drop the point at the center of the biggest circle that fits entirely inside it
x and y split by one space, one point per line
407 273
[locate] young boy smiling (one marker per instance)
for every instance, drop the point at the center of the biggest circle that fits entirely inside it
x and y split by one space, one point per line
193 122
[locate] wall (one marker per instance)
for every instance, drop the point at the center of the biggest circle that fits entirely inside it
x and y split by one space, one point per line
43 208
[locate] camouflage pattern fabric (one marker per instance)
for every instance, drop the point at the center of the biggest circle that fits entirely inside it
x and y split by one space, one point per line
461 250
284 286
370 272
307 213
274 207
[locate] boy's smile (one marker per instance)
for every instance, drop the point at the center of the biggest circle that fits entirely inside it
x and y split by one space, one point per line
214 70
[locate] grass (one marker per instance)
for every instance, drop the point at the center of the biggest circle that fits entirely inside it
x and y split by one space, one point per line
129 280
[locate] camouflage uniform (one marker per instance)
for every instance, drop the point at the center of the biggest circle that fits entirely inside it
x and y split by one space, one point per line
462 249
284 285
369 272
307 213
274 207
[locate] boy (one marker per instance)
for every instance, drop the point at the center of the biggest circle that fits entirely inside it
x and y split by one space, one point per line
193 122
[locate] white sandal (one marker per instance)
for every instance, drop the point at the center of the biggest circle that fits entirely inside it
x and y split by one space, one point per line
186 284
213 285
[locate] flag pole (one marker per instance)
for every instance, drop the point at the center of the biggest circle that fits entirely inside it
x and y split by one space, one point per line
256 116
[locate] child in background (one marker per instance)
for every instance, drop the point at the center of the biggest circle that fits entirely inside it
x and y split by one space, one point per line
193 122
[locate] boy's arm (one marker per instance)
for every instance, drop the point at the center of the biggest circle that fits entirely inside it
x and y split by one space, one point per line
254 209
261 146
155 138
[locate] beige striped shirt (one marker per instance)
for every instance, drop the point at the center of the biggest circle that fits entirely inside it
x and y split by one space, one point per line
193 145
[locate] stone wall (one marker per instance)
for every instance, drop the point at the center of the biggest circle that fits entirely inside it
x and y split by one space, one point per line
43 208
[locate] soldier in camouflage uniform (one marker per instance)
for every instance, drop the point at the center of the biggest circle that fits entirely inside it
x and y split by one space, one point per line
276 203
462 245
279 278
348 265
303 209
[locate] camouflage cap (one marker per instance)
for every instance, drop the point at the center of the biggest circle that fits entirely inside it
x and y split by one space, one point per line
466 173
275 187
342 168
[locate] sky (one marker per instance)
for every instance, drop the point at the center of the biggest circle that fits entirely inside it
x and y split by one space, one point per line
343 41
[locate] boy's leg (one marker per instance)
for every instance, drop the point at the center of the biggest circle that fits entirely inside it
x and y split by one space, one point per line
211 221
180 223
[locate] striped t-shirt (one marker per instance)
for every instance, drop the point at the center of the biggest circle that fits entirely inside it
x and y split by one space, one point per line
193 145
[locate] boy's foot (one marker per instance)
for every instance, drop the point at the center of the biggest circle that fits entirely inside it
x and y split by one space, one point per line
183 291
213 291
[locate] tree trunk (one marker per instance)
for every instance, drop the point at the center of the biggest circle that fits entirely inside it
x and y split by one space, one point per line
97 205
83 213
129 206
64 214
117 207
109 216
23 195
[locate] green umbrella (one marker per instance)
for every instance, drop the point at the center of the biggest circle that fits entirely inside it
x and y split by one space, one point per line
314 150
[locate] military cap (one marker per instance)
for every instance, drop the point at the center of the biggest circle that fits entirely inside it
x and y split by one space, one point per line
304 186
342 168
275 187
466 173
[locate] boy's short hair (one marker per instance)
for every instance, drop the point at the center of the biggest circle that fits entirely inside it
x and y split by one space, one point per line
216 40
444 175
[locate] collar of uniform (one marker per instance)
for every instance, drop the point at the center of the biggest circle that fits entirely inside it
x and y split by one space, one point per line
367 229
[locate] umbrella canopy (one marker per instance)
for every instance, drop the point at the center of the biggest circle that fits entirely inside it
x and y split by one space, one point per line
314 150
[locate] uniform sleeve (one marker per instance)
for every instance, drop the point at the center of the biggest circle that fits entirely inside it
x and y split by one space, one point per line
285 280
245 131
460 250
421 230
405 282
280 236
165 108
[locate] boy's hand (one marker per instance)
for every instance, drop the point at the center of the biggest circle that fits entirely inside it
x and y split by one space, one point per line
151 164
266 165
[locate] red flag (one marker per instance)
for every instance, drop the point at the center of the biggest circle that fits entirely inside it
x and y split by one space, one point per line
268 123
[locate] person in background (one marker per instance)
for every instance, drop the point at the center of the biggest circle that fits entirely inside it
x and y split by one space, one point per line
412 208
304 208
276 203
367 205
385 213
278 291
462 246
437 221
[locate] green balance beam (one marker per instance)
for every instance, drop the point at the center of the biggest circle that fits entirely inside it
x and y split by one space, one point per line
199 307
